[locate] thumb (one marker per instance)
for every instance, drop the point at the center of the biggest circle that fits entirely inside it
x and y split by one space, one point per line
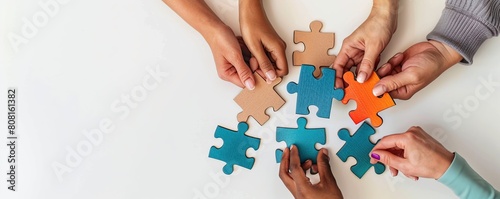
393 82
367 64
244 72
388 158
324 169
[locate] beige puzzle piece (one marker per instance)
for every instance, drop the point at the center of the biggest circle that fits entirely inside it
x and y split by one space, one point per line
255 102
316 45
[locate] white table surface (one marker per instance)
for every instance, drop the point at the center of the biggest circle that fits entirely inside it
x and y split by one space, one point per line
88 55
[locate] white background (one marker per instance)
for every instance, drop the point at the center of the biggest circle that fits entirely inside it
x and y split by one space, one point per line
88 54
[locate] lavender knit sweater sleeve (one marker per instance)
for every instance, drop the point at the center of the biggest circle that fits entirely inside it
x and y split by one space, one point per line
465 24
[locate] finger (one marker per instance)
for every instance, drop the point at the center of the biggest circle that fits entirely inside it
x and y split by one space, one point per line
254 66
390 142
307 165
298 175
324 169
231 75
314 169
394 172
279 57
394 82
339 64
264 63
368 64
389 159
284 171
244 72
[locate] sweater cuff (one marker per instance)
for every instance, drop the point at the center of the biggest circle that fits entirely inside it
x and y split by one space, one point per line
461 31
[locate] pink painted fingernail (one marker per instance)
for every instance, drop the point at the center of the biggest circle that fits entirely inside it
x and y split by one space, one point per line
271 75
375 156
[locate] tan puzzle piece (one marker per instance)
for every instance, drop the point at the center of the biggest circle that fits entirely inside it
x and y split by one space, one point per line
255 102
316 45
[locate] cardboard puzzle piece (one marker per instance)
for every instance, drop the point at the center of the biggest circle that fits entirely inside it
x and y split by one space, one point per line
304 139
255 102
316 45
368 105
359 146
233 150
318 92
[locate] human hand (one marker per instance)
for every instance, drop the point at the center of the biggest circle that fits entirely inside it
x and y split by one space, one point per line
293 176
408 72
363 47
228 56
415 153
262 40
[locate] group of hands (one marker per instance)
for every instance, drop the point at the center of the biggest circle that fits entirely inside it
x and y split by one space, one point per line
260 49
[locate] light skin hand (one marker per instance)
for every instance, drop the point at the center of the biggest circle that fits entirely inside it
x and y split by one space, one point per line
262 40
226 49
414 153
363 47
408 72
293 176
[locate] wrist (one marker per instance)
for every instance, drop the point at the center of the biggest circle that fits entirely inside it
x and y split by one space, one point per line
251 10
212 30
389 7
450 55
445 163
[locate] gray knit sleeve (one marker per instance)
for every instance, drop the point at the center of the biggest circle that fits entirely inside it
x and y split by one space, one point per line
465 24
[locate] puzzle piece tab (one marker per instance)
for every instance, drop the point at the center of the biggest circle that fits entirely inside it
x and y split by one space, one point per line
233 150
318 92
316 45
303 138
359 146
368 105
255 102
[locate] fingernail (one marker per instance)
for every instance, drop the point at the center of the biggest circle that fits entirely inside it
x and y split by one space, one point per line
375 156
397 55
249 84
271 75
379 90
392 173
291 147
361 77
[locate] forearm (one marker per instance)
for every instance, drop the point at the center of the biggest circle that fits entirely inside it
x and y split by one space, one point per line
387 9
197 14
465 182
252 11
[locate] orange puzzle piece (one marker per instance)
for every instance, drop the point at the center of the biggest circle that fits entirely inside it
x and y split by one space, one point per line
255 102
316 45
368 105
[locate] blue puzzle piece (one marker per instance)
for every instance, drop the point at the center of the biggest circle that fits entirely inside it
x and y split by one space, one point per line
318 92
359 146
233 151
304 139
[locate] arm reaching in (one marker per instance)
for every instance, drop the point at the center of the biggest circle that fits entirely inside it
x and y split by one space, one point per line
262 40
416 154
363 47
225 47
293 176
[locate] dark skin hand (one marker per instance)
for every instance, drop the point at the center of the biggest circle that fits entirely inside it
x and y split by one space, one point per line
292 173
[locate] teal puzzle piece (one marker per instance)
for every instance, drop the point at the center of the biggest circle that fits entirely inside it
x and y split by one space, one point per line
359 146
304 139
318 92
233 151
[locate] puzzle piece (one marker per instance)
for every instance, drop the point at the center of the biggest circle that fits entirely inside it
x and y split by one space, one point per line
368 105
303 138
255 102
318 92
316 45
233 151
359 146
